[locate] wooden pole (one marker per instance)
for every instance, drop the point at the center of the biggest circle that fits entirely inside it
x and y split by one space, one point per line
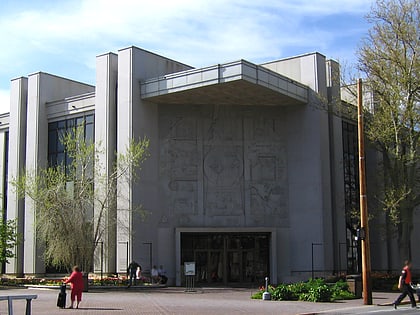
364 224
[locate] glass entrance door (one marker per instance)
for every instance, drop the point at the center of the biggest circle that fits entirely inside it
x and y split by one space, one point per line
227 257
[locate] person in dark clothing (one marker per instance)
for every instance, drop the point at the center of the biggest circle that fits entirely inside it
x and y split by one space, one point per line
131 272
404 285
162 275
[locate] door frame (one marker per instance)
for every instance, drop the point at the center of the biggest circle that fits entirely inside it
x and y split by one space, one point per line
272 246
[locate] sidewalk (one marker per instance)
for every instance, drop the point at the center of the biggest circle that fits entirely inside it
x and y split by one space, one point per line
174 300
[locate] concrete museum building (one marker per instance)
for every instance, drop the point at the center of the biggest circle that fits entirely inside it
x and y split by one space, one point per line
250 173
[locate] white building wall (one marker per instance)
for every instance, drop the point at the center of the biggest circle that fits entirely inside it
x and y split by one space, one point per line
17 150
106 139
309 164
137 119
42 88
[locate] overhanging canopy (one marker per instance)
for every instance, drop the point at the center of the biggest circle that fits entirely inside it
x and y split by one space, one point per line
235 83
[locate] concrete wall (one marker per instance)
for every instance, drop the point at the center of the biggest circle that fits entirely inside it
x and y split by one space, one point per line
313 154
231 167
137 119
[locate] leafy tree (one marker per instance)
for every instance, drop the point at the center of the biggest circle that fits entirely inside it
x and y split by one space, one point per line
9 238
389 57
75 202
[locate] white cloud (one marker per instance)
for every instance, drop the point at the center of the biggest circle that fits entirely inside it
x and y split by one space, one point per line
197 32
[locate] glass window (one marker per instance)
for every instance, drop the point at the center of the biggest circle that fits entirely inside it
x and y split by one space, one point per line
89 119
56 133
89 133
351 190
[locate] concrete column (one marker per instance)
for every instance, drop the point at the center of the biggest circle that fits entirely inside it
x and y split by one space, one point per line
17 150
338 221
106 136
2 165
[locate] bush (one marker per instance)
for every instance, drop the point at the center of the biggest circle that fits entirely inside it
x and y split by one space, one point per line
314 290
340 291
258 295
285 292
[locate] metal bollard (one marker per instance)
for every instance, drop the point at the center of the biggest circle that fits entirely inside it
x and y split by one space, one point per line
266 295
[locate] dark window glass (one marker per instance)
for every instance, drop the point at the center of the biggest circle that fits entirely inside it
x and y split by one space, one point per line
89 119
61 124
351 191
80 121
56 133
89 133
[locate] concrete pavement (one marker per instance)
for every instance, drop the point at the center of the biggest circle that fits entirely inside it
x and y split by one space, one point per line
174 300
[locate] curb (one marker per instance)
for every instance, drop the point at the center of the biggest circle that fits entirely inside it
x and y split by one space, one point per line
100 287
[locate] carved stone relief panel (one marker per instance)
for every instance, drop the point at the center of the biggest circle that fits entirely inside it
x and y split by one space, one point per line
266 153
178 164
223 164
223 180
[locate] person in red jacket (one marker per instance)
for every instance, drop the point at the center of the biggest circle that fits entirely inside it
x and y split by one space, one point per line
404 284
77 286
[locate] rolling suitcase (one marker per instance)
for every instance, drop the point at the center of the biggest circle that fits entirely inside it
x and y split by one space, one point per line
61 301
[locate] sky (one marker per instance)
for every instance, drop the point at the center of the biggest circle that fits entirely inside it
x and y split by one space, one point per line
64 37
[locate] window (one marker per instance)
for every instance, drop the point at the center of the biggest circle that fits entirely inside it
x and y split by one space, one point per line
351 193
58 129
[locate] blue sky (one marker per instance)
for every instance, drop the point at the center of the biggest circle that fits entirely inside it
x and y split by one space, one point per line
63 37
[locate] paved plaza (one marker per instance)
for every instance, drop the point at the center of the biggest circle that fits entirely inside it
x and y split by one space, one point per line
176 301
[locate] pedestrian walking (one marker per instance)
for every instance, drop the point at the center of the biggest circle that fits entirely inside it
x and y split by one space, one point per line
131 272
404 284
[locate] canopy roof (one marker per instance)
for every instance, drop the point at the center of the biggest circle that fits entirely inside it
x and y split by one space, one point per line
235 83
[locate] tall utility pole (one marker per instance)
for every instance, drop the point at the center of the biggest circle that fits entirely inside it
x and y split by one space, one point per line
364 224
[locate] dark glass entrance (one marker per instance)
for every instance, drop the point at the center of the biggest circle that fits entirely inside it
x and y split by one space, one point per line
227 257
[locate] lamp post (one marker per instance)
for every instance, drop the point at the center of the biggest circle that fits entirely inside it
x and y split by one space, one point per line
367 289
312 258
150 253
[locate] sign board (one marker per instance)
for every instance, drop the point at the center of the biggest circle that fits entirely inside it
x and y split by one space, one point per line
189 268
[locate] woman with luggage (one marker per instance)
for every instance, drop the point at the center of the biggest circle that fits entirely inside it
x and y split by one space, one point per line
77 286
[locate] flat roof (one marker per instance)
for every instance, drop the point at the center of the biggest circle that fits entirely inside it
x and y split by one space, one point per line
235 83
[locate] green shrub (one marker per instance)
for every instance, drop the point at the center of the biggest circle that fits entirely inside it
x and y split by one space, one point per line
314 290
340 285
258 295
343 295
340 291
321 293
284 292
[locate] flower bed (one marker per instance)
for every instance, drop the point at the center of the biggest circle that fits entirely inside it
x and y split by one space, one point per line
94 280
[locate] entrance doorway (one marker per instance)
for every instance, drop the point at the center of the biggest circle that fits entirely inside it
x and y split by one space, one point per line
227 257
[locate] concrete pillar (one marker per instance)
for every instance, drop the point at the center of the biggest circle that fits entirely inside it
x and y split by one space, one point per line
17 150
106 136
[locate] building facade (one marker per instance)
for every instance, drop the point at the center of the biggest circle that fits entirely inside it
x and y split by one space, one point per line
250 174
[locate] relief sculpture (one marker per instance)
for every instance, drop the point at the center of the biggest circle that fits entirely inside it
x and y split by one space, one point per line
209 149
